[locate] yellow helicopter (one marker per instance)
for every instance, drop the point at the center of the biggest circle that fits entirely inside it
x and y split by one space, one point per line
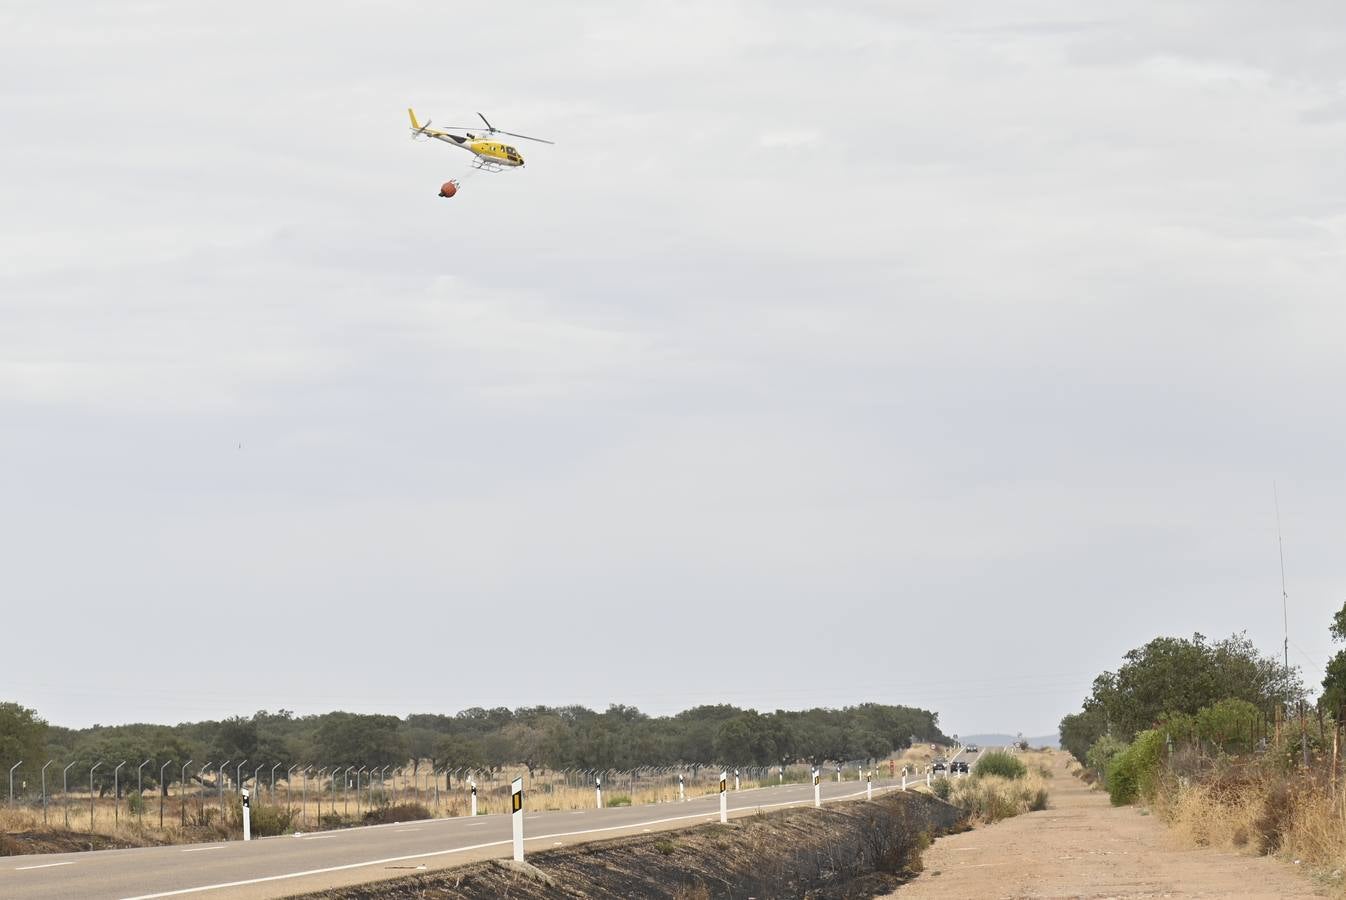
489 155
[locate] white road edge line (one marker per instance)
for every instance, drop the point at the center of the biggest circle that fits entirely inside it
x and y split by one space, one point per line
44 866
393 859
199 849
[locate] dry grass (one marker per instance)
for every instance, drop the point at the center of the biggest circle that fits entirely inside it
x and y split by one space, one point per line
990 798
1295 816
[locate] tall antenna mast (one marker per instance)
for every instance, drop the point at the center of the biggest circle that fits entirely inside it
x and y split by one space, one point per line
1285 598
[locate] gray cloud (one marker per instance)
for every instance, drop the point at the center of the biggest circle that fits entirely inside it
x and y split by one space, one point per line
894 352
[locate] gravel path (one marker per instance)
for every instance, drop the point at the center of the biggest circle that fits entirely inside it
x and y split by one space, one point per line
1081 846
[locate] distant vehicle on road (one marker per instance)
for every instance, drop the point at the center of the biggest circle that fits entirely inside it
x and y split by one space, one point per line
938 766
971 748
959 766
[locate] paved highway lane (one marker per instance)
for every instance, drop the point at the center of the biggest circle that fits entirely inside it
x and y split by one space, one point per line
280 866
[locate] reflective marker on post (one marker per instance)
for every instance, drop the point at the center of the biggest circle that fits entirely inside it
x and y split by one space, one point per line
817 789
516 804
247 817
474 798
598 789
682 790
724 797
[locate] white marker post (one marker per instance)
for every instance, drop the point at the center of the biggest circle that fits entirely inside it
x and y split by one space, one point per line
516 804
927 778
904 779
598 790
781 775
682 790
817 788
869 786
247 817
736 779
838 773
724 798
474 798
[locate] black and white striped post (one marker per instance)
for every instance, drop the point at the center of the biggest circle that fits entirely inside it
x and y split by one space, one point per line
724 797
682 789
247 816
598 790
516 805
817 788
869 785
474 798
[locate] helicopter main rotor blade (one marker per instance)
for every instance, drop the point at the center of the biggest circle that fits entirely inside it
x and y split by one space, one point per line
526 137
488 124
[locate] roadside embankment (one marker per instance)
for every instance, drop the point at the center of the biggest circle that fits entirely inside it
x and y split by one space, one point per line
848 850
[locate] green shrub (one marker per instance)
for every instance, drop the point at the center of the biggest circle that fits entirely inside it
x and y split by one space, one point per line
941 788
1103 752
1133 774
135 803
998 762
1229 724
616 800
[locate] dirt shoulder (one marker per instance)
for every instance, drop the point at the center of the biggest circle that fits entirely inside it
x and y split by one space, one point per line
1082 846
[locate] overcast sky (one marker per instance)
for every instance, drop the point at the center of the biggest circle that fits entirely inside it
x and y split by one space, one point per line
919 352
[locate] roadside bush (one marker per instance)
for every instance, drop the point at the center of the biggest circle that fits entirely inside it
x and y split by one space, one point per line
1229 724
1000 763
266 821
402 812
990 798
617 800
1103 752
941 788
1133 774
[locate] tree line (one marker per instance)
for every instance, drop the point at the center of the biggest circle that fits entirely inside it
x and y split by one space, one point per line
539 737
1171 680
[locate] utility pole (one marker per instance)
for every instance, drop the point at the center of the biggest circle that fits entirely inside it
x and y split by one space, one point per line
1285 597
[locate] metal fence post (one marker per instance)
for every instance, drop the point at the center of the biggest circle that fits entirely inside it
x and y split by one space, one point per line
140 791
182 794
221 770
44 791
11 781
288 776
65 793
201 807
117 796
91 794
163 792
238 777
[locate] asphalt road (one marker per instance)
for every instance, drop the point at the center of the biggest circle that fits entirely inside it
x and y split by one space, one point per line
281 866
